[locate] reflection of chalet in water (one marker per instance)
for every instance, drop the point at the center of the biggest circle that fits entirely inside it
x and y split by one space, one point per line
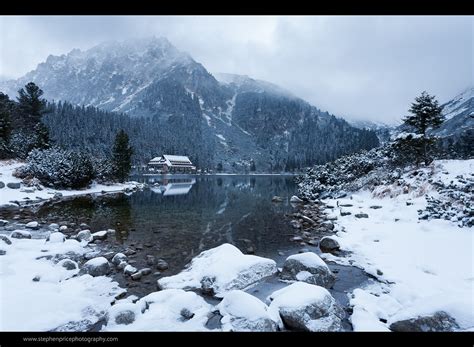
171 164
174 186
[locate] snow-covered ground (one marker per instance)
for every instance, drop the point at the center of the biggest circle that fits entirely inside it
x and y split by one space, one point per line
424 265
24 194
40 294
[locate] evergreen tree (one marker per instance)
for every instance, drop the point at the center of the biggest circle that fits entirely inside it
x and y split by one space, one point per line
122 156
425 114
31 105
252 166
5 125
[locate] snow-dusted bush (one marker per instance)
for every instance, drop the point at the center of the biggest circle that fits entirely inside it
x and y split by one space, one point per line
103 169
59 168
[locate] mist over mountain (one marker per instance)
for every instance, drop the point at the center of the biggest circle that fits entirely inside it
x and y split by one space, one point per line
181 108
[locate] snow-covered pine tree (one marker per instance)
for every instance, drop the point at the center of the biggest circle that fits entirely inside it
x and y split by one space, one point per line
5 125
416 147
122 156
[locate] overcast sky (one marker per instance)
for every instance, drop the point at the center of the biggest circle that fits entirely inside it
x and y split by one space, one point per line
352 66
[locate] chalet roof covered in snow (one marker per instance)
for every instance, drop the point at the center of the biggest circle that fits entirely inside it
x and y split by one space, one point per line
172 160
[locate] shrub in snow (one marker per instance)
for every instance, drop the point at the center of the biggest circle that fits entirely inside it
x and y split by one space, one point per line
307 267
59 168
244 312
219 270
307 307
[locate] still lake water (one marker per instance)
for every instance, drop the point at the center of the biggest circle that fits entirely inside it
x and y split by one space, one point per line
177 218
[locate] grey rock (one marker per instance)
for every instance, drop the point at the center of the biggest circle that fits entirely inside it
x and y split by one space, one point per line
5 239
20 234
136 276
68 264
13 185
36 279
3 222
207 285
125 317
122 265
150 260
145 271
3 252
320 274
162 265
295 199
84 235
108 255
118 258
97 267
375 207
328 244
186 314
2 185
361 215
277 199
129 270
440 321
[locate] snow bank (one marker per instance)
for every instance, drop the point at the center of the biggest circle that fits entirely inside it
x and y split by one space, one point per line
10 196
426 266
54 298
166 310
221 269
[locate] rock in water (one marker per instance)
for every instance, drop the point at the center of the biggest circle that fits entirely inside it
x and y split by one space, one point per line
277 199
307 267
100 235
227 265
84 235
118 258
97 267
307 307
328 244
244 312
295 199
440 321
129 270
162 265
20 234
32 225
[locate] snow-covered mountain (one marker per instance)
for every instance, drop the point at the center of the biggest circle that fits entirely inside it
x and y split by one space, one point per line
459 113
238 118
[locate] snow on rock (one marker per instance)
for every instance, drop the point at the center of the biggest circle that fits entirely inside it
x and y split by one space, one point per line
297 267
118 258
166 310
56 237
129 269
58 300
20 234
32 225
440 321
244 312
219 270
307 307
295 199
99 235
84 235
99 266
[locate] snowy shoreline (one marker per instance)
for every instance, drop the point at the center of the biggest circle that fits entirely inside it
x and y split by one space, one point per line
423 266
27 196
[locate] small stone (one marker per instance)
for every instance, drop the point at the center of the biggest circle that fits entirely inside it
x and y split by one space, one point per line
375 207
145 271
380 273
277 199
63 228
150 260
13 185
3 252
20 234
53 226
108 255
32 225
361 215
5 239
328 244
186 314
136 276
122 265
68 264
129 251
36 278
162 265
118 258
129 270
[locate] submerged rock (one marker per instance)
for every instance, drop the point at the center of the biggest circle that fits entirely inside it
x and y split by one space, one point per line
243 312
440 321
277 199
307 267
307 307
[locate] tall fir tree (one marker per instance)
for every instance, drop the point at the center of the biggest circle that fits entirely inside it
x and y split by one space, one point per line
31 105
425 114
122 156
6 106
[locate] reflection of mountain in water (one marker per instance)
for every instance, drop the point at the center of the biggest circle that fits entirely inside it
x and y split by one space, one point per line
175 186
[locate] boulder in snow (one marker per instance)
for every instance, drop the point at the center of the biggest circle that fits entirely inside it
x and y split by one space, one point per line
440 321
20 234
56 237
307 267
328 244
97 267
244 312
2 185
13 185
68 264
361 215
5 239
307 307
224 268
